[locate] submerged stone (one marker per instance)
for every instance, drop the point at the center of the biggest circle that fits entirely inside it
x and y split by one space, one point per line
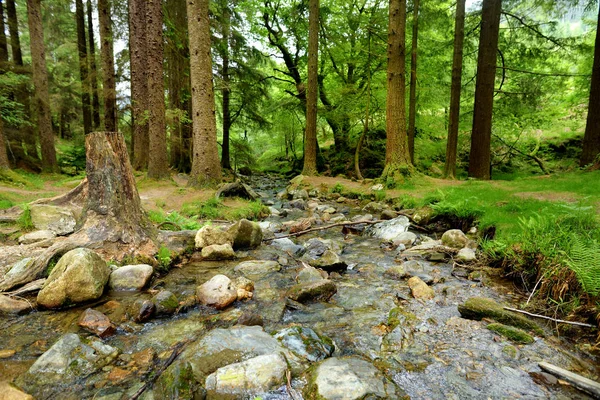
306 343
313 291
97 323
130 277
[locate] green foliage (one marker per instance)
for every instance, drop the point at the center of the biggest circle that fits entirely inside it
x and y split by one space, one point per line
164 258
72 160
337 188
209 209
5 203
172 220
584 260
380 195
251 211
24 220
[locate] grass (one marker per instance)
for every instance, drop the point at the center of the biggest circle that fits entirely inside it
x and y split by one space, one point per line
213 209
172 220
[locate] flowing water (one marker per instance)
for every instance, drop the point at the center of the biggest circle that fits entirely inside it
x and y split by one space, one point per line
432 354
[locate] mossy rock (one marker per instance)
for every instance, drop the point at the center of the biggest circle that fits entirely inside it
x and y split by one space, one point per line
478 308
178 382
511 333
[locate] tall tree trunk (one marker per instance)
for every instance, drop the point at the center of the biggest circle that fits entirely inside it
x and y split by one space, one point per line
4 164
412 103
591 139
40 81
13 30
452 144
310 136
397 155
174 75
158 164
93 69
3 44
83 67
108 66
206 168
361 139
226 24
138 47
480 155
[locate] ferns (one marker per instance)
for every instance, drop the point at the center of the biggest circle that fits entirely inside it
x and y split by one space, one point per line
584 260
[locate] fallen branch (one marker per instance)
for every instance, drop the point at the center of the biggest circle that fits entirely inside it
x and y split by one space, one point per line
418 227
578 381
560 321
322 228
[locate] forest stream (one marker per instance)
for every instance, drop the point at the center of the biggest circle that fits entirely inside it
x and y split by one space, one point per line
361 334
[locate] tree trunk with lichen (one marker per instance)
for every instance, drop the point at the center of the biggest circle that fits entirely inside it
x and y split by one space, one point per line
310 136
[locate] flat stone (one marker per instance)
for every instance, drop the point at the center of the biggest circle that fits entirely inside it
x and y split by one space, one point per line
56 219
9 305
466 255
218 292
306 343
314 291
310 274
37 236
287 245
257 268
130 277
419 289
97 323
218 252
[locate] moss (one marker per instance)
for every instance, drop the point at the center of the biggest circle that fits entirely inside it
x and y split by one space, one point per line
511 333
399 315
510 351
478 308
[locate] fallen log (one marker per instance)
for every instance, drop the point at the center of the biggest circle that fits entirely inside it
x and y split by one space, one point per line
584 384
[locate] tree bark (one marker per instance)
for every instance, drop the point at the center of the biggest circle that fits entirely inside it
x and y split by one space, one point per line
138 46
591 139
4 164
206 168
226 91
40 81
452 144
397 155
361 139
93 69
108 66
3 44
83 67
480 155
13 30
412 103
310 136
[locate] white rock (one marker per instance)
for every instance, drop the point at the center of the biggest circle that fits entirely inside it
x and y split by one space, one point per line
130 277
218 292
37 236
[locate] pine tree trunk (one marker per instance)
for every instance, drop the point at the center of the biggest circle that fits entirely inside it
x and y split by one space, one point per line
3 44
397 156
83 67
138 47
225 163
412 104
310 136
591 139
206 168
108 66
40 81
480 155
4 164
93 69
451 146
13 30
158 164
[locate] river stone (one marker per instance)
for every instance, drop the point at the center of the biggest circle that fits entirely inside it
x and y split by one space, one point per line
419 289
396 272
313 291
68 360
79 276
257 268
424 215
178 382
142 310
299 194
245 234
478 308
59 220
218 252
97 323
237 189
349 378
130 277
9 392
248 378
510 332
388 214
455 238
329 261
166 303
310 274
287 245
8 305
374 207
405 238
389 230
218 292
37 236
306 343
19 270
209 235
466 255
177 242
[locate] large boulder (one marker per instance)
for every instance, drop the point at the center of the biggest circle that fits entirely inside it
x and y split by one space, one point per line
59 220
218 252
130 277
245 234
209 235
79 276
455 238
218 292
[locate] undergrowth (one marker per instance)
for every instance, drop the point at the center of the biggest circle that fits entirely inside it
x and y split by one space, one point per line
213 209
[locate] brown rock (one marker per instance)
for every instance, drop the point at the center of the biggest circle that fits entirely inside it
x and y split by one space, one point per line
7 353
419 289
118 374
97 323
143 310
144 359
8 305
9 392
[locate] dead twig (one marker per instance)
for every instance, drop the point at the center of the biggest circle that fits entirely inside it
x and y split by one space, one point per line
322 228
560 321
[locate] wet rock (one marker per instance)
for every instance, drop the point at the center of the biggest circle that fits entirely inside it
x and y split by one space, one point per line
7 353
299 194
310 274
298 204
511 333
166 303
248 378
340 199
314 291
9 392
218 252
177 242
544 378
396 272
237 189
306 343
478 308
144 359
466 255
59 220
97 323
257 268
37 236
388 214
178 382
349 378
79 276
389 230
68 360
210 235
329 261
130 277
423 216
9 305
245 234
405 238
419 289
455 238
287 245
374 207
18 272
143 310
250 319
218 292
244 284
